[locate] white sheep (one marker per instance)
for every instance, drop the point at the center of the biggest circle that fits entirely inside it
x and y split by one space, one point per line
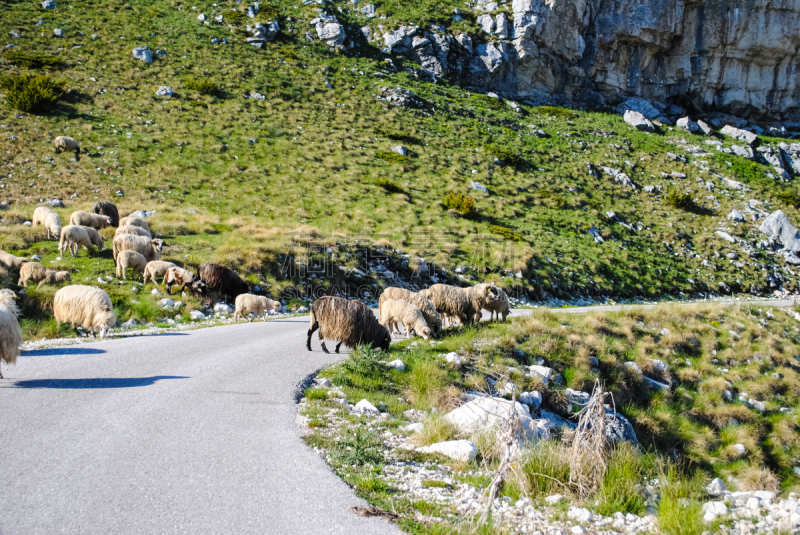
176 276
136 222
148 248
67 144
133 230
95 238
156 268
130 259
49 219
36 272
395 311
72 238
247 303
10 331
87 306
88 219
11 262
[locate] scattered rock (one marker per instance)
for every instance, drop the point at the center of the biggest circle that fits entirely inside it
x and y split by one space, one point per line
197 315
459 450
532 399
222 308
453 358
365 407
397 365
736 216
49 4
542 372
143 54
779 230
639 121
487 413
164 91
716 488
742 135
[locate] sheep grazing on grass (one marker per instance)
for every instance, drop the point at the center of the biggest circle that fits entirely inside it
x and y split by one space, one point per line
73 237
95 238
49 219
453 302
176 276
107 209
156 268
398 311
86 219
482 295
10 331
130 259
351 323
36 272
10 262
84 306
132 230
67 144
222 280
149 249
135 222
247 303
432 318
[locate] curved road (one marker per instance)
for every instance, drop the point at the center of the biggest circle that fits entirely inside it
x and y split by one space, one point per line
189 432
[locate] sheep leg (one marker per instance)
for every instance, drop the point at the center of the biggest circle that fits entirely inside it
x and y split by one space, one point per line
311 330
408 330
77 155
338 346
58 150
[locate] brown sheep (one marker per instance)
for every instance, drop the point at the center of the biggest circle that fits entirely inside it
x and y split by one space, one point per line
67 144
432 318
36 272
453 302
351 323
222 280
130 259
86 219
176 276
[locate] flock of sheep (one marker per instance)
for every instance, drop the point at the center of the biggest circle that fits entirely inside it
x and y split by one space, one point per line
352 323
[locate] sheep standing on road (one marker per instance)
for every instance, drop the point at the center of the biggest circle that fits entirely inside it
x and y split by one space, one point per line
10 331
176 276
133 230
350 323
149 249
10 262
84 306
107 209
482 296
36 272
67 144
130 259
452 302
432 318
398 311
222 280
499 305
156 268
86 219
247 303
72 238
49 219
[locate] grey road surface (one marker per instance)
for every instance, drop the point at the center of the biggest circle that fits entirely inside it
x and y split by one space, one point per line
176 433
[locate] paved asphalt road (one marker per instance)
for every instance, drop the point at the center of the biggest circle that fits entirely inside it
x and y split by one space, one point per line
188 432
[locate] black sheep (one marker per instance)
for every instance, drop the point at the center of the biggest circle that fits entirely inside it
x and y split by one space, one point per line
222 280
107 209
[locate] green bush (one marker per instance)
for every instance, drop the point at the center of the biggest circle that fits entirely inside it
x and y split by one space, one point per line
204 86
32 94
391 156
504 154
316 393
358 447
677 199
32 61
788 197
388 185
505 232
554 111
366 361
393 133
234 17
463 204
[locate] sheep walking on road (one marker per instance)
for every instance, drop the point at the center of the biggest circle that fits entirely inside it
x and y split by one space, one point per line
398 311
482 296
432 318
107 209
87 219
499 305
67 144
36 272
351 323
130 259
49 219
10 331
247 303
84 306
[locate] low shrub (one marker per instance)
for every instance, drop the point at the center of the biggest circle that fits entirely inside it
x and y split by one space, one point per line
388 185
504 154
366 361
391 156
505 232
463 204
393 133
316 393
204 86
676 199
358 447
32 94
32 61
788 197
554 111
233 17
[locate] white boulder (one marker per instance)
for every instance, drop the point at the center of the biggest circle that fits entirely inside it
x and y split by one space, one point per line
459 450
485 413
638 121
397 365
365 407
143 54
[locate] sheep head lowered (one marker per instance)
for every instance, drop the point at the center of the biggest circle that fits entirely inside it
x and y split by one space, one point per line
158 243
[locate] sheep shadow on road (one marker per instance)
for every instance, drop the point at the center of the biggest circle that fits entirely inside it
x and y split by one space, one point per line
62 351
98 382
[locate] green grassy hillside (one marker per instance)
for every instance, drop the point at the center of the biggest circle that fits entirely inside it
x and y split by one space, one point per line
230 176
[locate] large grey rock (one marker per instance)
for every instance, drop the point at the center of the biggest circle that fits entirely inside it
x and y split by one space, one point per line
619 429
492 413
331 32
736 216
532 399
638 121
716 488
459 450
143 54
736 133
639 105
779 230
685 123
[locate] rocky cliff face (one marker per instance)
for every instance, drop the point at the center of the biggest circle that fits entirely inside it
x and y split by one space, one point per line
734 56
